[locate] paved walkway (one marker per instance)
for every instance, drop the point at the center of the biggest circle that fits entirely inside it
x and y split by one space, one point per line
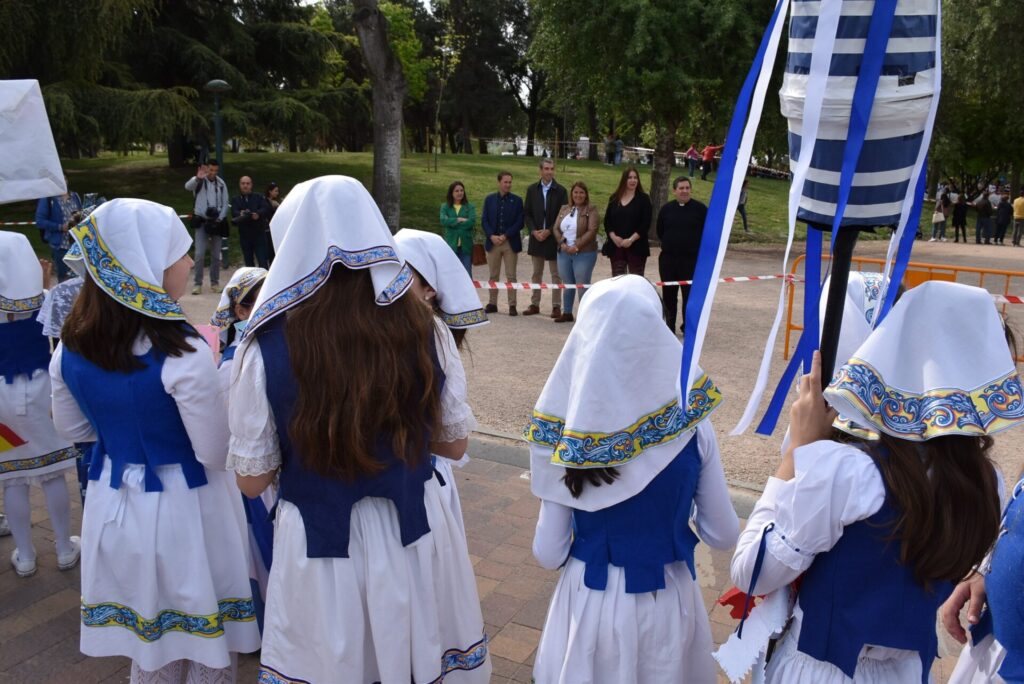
39 616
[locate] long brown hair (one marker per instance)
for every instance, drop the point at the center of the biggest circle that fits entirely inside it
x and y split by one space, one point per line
947 496
103 331
617 195
363 372
577 478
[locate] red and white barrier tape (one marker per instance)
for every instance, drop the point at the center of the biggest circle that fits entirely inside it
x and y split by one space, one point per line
492 285
32 223
1008 299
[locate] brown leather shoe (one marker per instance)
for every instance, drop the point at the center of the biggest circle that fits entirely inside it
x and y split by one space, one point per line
565 318
556 312
532 310
491 308
512 311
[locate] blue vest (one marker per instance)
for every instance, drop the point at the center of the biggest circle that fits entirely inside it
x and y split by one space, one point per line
136 420
228 354
644 533
859 593
326 503
23 348
1005 588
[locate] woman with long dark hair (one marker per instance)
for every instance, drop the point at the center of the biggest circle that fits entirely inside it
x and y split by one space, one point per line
626 223
339 395
458 217
880 530
619 460
164 578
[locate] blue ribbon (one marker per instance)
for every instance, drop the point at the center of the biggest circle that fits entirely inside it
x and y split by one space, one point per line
758 562
808 338
714 224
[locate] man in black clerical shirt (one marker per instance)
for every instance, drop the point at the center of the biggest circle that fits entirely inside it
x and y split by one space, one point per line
680 227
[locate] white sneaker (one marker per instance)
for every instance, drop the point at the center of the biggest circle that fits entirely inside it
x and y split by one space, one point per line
22 568
66 561
4 527
932 240
943 239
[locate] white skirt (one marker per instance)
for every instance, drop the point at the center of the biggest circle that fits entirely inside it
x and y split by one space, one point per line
613 637
164 573
30 450
387 613
979 664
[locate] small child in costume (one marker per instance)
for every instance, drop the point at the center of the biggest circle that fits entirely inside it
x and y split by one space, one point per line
164 547
442 282
880 530
622 464
31 452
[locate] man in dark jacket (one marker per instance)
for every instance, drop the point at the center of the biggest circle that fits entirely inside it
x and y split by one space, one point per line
543 200
250 212
502 221
680 228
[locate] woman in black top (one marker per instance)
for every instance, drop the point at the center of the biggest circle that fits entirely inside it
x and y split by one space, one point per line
626 222
960 218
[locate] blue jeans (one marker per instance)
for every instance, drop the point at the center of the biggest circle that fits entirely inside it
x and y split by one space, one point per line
466 257
63 271
575 269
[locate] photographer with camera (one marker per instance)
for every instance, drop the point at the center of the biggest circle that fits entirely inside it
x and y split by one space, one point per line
250 212
209 221
55 216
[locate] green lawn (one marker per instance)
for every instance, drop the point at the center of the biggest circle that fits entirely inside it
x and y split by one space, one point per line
423 190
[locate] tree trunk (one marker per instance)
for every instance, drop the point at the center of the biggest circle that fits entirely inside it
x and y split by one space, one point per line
531 128
592 132
388 97
560 145
481 146
664 156
1014 181
176 150
467 147
293 142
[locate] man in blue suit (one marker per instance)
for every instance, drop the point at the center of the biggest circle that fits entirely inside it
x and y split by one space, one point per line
502 221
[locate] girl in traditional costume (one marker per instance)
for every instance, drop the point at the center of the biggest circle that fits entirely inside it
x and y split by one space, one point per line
231 317
30 449
164 578
879 531
441 281
620 462
338 391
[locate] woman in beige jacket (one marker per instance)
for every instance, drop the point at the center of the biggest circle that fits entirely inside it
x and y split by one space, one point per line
576 234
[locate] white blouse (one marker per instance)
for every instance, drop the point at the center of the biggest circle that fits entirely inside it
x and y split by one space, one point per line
254 448
191 379
716 521
568 226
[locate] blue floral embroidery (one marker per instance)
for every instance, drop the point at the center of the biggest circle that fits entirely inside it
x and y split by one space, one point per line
269 675
595 450
111 275
988 409
21 305
872 291
293 294
207 626
224 317
16 465
456 659
465 319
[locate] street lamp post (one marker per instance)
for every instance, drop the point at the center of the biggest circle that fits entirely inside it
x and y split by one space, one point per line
218 86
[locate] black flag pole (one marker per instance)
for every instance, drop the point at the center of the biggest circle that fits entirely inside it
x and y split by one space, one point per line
842 257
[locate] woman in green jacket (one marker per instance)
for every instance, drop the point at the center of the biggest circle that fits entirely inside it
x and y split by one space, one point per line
458 216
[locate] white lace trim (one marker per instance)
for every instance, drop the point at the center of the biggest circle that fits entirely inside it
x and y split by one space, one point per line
450 432
250 466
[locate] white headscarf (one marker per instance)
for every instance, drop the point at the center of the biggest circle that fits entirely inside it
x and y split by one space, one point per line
21 276
437 264
613 398
326 221
911 380
29 166
125 246
240 285
862 298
